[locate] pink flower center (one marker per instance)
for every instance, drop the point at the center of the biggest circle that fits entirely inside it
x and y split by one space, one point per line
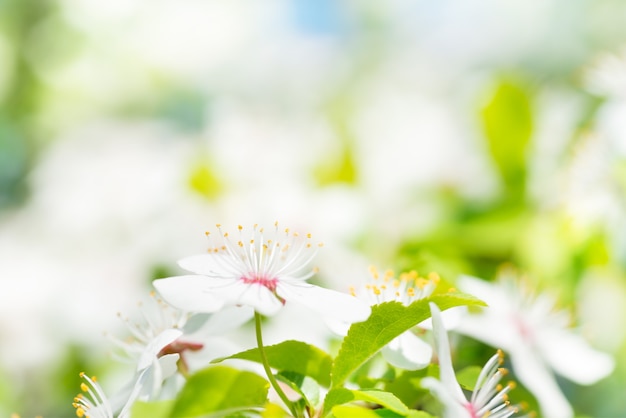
266 281
470 409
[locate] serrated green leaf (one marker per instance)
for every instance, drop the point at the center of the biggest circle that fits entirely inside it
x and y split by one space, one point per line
158 409
293 356
219 388
387 321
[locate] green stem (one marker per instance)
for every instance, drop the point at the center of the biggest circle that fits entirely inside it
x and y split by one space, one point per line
266 366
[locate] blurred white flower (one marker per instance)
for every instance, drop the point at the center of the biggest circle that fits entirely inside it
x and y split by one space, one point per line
163 336
537 338
489 398
259 271
93 402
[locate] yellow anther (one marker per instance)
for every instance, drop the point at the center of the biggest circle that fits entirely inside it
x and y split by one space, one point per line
240 243
512 385
260 230
251 241
352 291
207 233
239 227
308 235
276 223
265 246
396 283
218 225
223 248
295 234
308 245
503 371
410 291
421 282
84 387
286 230
376 290
225 234
80 412
434 277
320 245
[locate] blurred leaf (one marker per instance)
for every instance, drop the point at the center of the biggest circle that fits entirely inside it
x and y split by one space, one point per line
508 125
468 376
158 409
203 180
387 321
293 356
220 388
305 386
339 168
405 388
271 410
338 396
346 411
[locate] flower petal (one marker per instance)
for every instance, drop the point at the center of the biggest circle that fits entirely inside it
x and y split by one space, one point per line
446 371
190 293
452 407
571 356
258 296
206 264
536 377
408 351
155 346
327 302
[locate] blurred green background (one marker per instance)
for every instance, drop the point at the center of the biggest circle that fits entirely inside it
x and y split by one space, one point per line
448 136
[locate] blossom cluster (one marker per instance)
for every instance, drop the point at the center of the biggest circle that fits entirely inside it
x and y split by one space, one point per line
254 272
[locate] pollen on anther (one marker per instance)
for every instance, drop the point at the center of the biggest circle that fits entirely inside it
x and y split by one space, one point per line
239 227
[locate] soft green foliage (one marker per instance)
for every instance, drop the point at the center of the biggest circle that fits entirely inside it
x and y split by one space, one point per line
348 411
159 409
387 321
508 125
339 396
220 388
293 356
468 376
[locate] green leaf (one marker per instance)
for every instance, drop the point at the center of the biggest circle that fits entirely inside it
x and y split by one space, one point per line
349 411
507 122
387 321
293 356
338 396
468 376
220 388
159 409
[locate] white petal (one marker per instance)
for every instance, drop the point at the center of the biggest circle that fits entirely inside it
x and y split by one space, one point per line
225 320
452 407
535 376
205 264
446 371
155 346
259 297
190 293
491 293
408 351
570 356
327 302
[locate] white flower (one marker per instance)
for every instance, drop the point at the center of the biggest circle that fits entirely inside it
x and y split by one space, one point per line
93 403
407 351
536 337
160 340
489 398
260 269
